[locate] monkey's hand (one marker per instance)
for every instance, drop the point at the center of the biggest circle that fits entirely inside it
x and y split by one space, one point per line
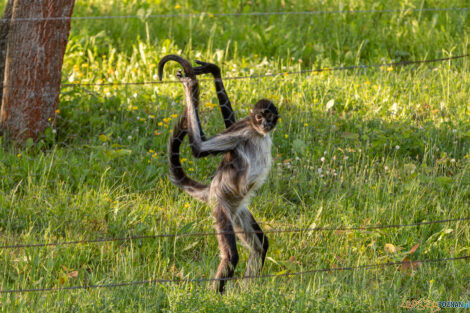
206 68
179 75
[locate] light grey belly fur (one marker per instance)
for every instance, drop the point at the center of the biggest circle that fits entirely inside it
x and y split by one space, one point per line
257 154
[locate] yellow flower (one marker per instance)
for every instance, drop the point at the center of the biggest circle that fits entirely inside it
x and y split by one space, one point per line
211 15
160 123
174 115
286 74
389 68
286 136
183 160
280 120
186 205
177 6
18 155
367 83
315 100
156 133
57 111
306 124
135 108
151 151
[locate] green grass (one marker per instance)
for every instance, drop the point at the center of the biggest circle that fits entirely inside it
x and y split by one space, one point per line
395 143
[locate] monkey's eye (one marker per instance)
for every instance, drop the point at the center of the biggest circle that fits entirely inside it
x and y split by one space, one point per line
258 117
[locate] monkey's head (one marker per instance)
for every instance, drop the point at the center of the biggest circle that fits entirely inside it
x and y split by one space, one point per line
264 116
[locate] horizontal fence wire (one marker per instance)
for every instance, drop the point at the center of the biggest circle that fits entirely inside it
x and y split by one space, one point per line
203 280
205 234
227 14
318 70
278 74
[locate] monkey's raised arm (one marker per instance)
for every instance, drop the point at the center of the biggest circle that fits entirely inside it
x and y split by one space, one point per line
224 101
188 71
222 142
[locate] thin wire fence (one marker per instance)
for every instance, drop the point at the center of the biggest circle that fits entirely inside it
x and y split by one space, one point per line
235 14
409 264
278 74
205 234
318 70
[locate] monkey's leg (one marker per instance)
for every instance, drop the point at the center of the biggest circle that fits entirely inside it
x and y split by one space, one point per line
227 247
224 101
249 232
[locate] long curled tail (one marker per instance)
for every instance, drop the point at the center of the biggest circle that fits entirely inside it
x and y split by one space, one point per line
177 175
188 69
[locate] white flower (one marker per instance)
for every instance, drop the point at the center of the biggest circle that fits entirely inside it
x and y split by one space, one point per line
322 159
452 161
129 137
397 147
454 131
386 168
319 170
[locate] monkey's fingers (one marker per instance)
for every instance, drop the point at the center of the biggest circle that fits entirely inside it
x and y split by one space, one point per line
179 74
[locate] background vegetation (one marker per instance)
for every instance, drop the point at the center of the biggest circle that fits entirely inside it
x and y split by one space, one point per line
364 147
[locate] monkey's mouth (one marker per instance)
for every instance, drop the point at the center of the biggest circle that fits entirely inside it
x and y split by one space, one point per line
267 128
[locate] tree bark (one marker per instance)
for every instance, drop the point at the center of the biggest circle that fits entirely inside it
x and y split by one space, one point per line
4 29
35 52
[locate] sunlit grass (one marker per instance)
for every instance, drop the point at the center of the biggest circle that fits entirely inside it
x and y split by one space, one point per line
362 147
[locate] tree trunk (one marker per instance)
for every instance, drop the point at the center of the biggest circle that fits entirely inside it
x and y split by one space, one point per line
4 28
35 51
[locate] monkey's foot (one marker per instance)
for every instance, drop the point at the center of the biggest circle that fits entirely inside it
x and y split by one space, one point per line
206 68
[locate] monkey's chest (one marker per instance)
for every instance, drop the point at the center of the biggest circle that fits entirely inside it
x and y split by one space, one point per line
259 162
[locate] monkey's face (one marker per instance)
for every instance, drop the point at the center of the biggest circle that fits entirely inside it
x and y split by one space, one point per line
264 116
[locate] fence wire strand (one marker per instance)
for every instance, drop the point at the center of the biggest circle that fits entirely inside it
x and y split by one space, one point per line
228 78
203 280
205 234
318 70
228 14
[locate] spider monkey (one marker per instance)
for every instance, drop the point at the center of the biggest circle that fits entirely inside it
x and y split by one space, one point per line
246 162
